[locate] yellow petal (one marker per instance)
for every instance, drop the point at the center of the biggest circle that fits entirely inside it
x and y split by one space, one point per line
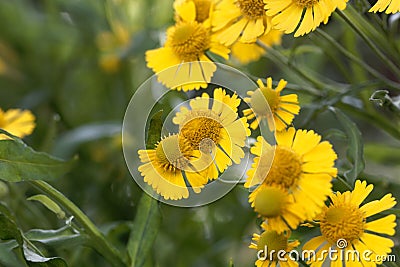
385 225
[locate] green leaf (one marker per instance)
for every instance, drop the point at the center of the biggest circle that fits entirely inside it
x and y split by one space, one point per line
50 204
8 256
35 260
60 238
19 162
144 230
382 98
9 230
355 150
155 128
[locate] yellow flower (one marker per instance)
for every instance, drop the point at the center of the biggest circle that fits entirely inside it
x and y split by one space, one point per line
389 6
266 100
164 166
112 44
345 226
278 207
268 246
187 42
288 14
204 10
248 52
300 164
17 122
240 18
216 132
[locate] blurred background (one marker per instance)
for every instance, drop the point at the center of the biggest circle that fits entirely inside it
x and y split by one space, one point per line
77 63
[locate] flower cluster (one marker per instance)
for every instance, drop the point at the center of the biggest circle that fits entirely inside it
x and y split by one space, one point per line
291 182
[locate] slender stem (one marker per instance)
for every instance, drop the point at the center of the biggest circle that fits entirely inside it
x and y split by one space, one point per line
355 59
98 239
344 182
369 42
281 59
374 119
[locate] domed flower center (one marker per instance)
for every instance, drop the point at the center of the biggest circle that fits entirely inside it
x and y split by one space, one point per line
189 40
269 201
172 153
202 9
201 129
252 9
285 169
271 240
306 3
342 222
262 98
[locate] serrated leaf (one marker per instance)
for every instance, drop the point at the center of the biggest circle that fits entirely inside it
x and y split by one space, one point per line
50 204
355 150
144 230
63 237
35 260
155 128
19 162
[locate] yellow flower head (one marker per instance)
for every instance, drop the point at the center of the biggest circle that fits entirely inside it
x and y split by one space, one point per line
301 15
204 10
266 100
164 166
215 132
187 42
389 6
345 226
278 207
240 19
248 52
268 246
300 164
17 122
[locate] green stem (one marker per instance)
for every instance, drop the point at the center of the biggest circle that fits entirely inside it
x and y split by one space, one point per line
98 239
344 182
279 58
369 42
373 119
355 59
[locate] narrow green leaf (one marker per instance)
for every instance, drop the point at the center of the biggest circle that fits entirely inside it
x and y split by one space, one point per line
50 204
355 150
35 260
9 230
19 162
60 238
382 98
144 230
154 131
8 256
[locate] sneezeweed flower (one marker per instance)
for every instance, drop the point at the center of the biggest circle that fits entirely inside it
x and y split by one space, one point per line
389 6
243 20
273 249
248 52
165 165
182 62
347 226
300 164
112 44
204 10
282 108
277 207
215 131
17 122
301 16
